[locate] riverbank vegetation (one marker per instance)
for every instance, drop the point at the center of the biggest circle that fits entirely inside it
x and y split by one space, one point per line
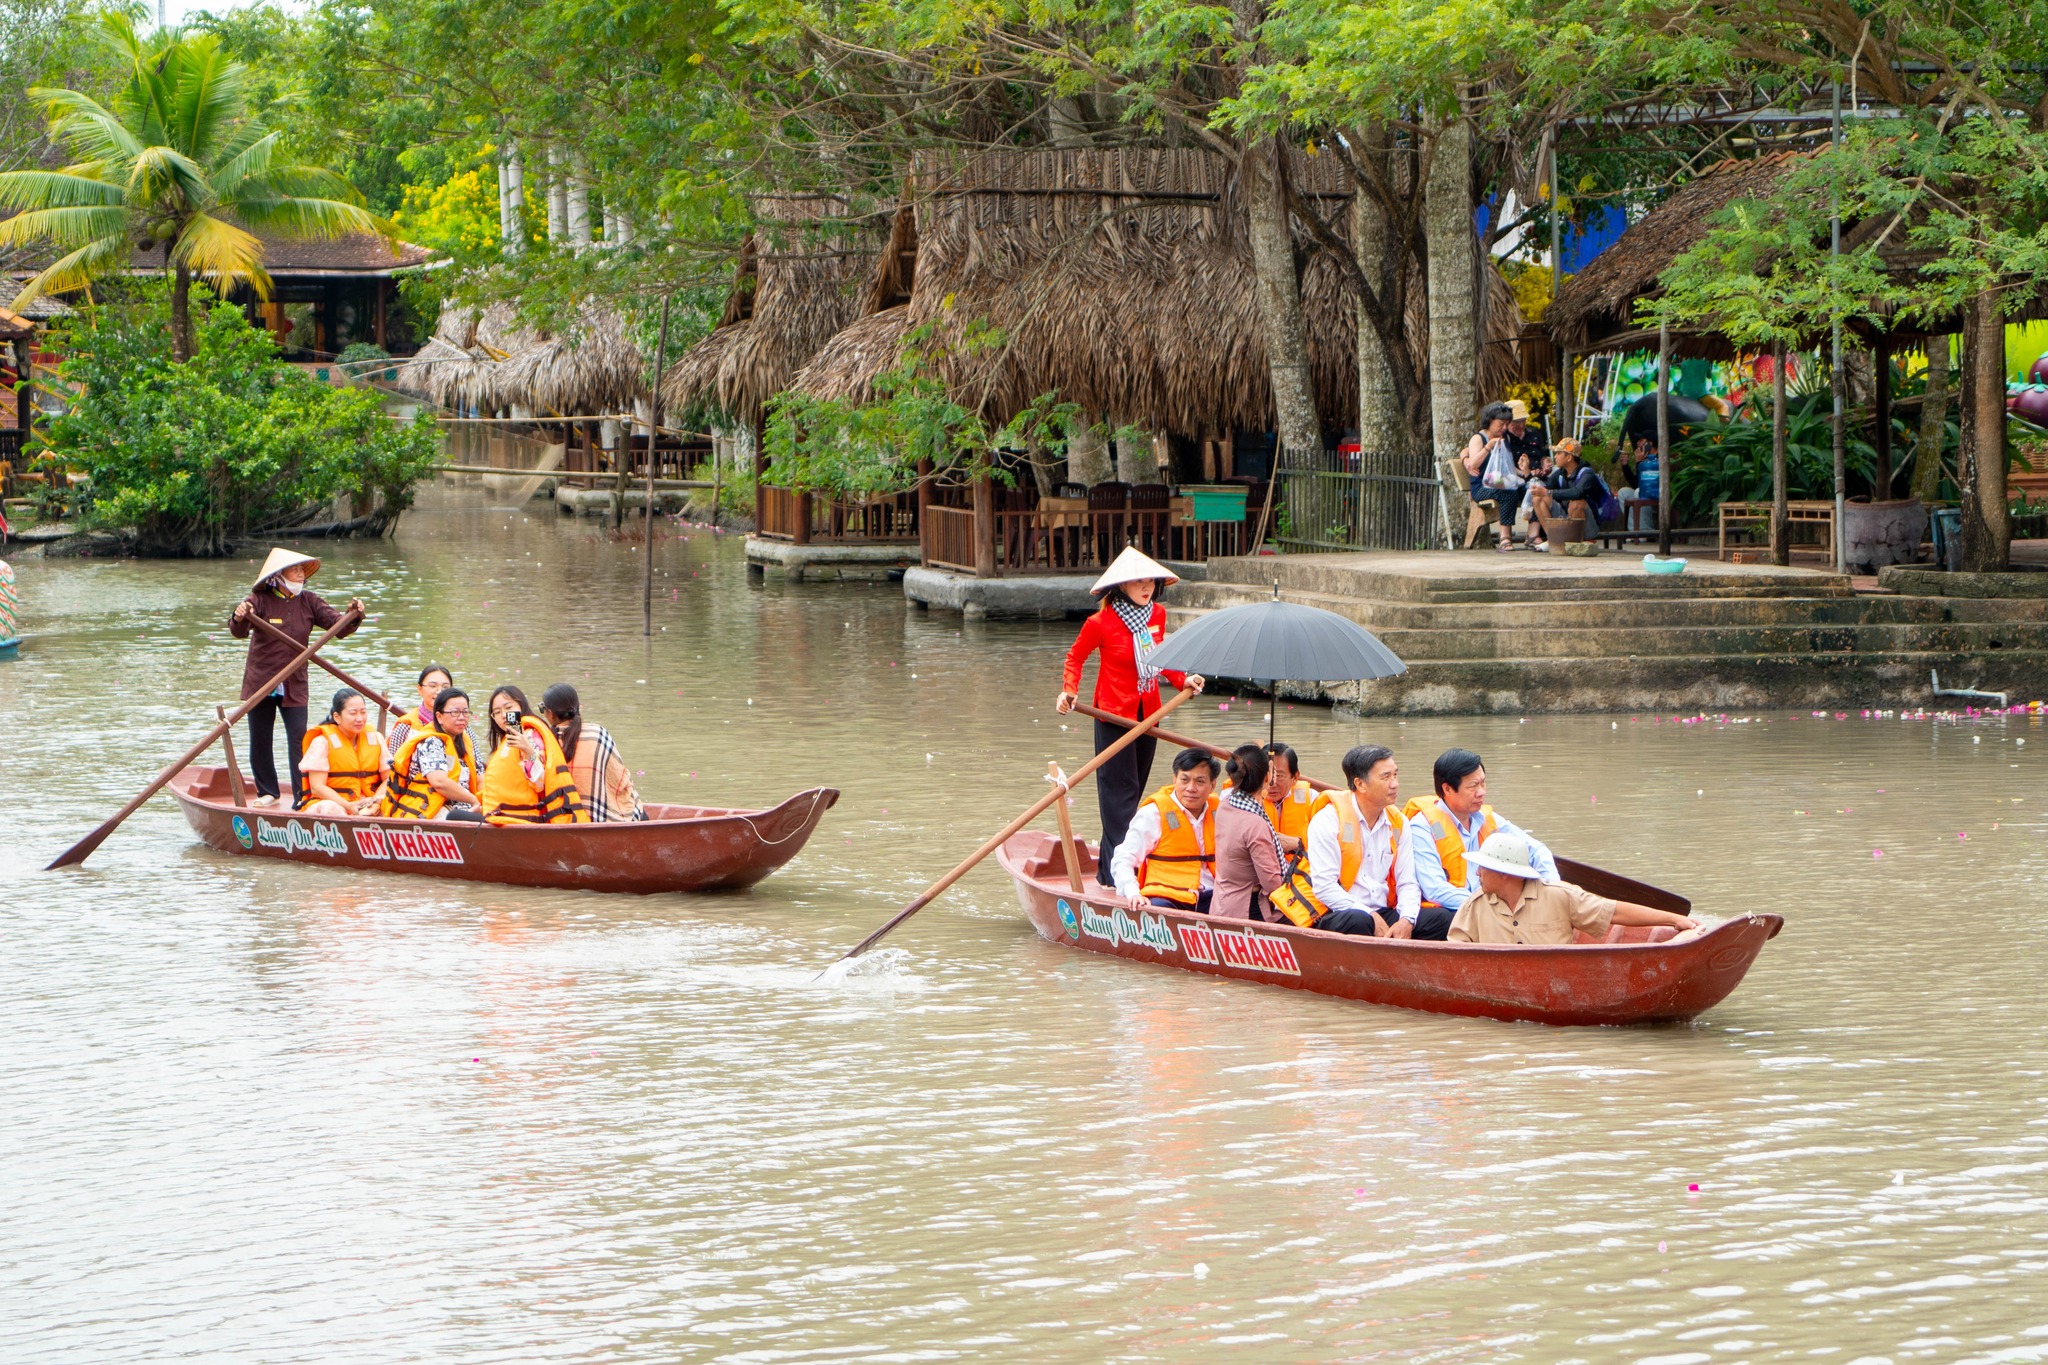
563 156
192 455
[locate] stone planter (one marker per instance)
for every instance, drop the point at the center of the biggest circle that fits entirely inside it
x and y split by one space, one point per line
1875 534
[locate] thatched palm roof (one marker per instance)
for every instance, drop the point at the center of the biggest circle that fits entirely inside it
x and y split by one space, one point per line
490 360
1121 279
802 277
589 366
1596 308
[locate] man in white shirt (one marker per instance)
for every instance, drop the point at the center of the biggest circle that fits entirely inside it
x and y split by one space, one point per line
1168 856
1382 899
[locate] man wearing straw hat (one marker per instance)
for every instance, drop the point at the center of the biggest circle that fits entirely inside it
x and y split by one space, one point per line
1130 625
1516 906
280 595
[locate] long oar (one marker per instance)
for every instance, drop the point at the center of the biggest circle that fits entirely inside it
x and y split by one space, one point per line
932 892
358 684
82 850
1185 741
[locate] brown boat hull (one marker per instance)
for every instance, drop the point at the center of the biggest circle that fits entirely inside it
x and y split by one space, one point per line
679 848
1589 983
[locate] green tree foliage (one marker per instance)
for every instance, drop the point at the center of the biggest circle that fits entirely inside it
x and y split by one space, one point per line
193 456
843 447
181 161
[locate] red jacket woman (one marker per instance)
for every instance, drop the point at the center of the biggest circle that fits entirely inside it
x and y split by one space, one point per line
1124 686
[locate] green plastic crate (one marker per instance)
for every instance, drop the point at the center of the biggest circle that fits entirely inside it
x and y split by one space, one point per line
1223 502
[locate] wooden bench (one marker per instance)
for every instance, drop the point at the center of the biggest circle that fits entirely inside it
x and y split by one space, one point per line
1742 515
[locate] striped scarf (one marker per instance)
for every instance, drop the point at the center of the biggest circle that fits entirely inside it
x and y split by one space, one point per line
1138 620
1251 805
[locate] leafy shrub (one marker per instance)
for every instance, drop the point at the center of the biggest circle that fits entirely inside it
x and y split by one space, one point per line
233 443
1729 460
361 350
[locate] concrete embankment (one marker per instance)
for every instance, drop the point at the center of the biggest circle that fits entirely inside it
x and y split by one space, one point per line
1523 633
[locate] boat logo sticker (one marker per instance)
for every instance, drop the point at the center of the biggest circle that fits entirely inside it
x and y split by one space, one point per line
1147 931
1067 918
1238 948
291 836
242 834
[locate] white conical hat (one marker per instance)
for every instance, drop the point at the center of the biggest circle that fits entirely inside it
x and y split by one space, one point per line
1130 567
282 559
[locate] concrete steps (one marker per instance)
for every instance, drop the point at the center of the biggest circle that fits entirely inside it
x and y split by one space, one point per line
1491 634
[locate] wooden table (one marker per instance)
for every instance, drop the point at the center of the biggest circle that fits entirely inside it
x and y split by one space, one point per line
1811 513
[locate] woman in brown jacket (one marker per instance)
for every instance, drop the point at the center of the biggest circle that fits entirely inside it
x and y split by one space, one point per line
1249 867
280 594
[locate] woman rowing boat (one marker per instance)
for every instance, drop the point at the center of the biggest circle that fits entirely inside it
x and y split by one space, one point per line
1129 626
280 595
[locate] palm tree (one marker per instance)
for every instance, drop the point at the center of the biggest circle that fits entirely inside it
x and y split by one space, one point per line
182 162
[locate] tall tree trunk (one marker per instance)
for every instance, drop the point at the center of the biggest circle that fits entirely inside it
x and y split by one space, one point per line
1987 522
1933 423
181 314
1087 454
1781 503
1453 346
1382 427
1134 460
1278 291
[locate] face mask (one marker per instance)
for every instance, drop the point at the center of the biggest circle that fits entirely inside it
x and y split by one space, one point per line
291 589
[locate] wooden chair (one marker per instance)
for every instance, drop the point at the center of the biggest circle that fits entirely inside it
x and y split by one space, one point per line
1108 508
1483 515
1154 501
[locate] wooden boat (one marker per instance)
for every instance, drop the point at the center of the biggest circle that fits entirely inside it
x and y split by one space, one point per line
1634 976
677 848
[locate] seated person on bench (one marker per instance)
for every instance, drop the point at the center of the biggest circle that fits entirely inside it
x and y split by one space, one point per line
1360 877
1168 856
1574 486
1516 906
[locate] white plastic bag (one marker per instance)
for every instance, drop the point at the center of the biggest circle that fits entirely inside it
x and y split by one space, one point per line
1500 469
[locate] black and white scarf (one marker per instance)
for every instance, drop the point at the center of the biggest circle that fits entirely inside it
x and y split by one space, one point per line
1138 620
1252 805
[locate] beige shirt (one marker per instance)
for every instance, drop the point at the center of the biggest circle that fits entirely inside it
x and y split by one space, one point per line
1546 914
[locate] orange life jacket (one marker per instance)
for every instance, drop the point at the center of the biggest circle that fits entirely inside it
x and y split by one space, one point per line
408 795
1450 843
1173 869
353 765
1296 898
509 798
1292 812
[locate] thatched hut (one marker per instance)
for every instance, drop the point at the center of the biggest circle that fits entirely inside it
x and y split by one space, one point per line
1120 279
489 360
802 276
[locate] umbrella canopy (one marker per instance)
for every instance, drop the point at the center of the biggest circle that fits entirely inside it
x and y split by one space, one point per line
1275 641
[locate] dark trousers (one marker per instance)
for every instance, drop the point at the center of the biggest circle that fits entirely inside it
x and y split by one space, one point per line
1433 924
263 760
1200 907
1119 787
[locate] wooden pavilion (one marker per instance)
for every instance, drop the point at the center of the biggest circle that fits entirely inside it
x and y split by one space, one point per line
1119 279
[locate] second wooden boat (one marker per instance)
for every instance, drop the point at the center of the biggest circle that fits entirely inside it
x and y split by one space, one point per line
1635 976
677 848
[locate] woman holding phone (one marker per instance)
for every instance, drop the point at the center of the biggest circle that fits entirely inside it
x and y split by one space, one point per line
526 781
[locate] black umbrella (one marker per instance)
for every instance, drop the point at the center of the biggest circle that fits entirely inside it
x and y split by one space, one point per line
1274 641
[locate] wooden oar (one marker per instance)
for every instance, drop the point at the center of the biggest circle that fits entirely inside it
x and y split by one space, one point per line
82 850
227 747
1185 741
932 892
358 684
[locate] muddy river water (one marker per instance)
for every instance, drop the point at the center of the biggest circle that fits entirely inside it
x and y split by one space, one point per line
267 1112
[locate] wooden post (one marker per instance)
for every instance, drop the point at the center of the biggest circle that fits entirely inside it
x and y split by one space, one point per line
25 397
1664 439
760 474
1881 359
924 505
653 435
1066 819
984 527
236 790
1781 507
717 463
383 286
803 517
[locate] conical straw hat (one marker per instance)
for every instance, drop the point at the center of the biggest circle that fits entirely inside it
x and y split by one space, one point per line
1130 567
282 559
